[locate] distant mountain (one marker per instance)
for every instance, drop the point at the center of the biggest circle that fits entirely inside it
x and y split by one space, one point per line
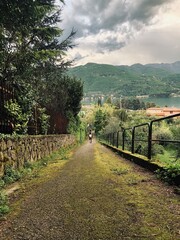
138 79
170 67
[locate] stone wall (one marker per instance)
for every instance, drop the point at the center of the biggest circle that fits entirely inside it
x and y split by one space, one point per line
16 151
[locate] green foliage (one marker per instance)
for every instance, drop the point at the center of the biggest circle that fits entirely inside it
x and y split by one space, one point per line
165 154
122 115
119 171
175 128
19 118
74 123
28 166
100 120
76 127
178 152
43 120
112 125
163 133
33 61
157 149
11 175
173 81
74 89
176 135
109 100
3 204
30 27
2 184
150 104
81 135
169 173
132 181
132 103
63 95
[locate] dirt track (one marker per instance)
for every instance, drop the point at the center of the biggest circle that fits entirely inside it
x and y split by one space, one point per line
95 195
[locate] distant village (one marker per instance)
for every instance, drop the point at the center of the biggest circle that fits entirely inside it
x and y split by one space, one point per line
151 109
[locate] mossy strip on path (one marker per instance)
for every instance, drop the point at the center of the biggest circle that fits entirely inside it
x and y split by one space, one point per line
152 205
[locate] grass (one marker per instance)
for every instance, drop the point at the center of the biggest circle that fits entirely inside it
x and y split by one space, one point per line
102 196
145 199
119 171
171 166
32 170
168 158
4 208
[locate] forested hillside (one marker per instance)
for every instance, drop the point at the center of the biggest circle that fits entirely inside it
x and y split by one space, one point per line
138 79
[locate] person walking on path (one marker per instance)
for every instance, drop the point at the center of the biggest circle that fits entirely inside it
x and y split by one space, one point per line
90 136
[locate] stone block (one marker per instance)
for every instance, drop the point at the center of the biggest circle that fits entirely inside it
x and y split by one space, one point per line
1 157
9 144
3 145
1 169
6 157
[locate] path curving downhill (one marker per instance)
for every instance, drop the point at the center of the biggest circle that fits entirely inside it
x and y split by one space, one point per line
96 195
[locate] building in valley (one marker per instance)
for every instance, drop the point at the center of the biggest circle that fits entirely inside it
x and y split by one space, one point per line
162 112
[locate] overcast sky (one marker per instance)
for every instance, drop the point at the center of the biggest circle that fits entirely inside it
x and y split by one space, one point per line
123 31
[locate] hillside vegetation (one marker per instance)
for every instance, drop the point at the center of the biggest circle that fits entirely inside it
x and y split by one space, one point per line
138 79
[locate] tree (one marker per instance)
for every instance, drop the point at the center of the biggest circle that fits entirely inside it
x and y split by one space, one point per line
62 96
33 57
132 103
100 120
99 102
29 37
122 115
150 104
176 135
29 41
109 100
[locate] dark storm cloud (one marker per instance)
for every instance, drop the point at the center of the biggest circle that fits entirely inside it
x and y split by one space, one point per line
109 44
90 16
145 10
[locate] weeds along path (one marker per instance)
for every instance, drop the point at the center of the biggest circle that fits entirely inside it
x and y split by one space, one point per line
95 195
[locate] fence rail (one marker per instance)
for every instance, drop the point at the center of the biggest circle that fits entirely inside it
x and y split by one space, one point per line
114 138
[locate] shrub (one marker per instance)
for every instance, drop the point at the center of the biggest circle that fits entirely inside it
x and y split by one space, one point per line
157 149
169 173
2 183
10 175
20 118
3 204
163 133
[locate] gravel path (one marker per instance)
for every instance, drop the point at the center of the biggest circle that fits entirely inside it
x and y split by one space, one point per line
96 195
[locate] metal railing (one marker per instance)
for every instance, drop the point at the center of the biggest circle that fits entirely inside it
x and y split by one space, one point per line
128 142
6 93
